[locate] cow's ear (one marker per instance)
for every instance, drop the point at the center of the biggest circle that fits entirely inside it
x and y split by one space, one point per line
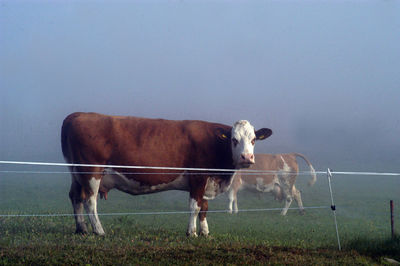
263 133
223 134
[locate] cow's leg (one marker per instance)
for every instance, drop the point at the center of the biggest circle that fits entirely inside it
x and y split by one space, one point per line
286 190
232 196
194 212
277 192
75 195
202 217
197 185
297 198
287 196
91 205
288 201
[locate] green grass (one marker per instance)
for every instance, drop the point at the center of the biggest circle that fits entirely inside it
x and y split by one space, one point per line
244 238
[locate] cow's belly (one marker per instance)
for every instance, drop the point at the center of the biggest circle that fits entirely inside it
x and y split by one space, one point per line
261 185
113 179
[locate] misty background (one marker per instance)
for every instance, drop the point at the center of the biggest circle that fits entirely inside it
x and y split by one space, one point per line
323 75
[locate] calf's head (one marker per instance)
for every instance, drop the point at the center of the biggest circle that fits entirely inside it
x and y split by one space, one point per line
243 138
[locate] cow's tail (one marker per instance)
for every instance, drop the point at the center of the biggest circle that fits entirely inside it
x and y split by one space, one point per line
312 170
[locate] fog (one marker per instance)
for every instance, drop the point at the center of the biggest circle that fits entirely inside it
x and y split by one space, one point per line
323 75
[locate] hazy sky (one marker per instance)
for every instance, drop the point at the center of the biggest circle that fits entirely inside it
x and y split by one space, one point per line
323 75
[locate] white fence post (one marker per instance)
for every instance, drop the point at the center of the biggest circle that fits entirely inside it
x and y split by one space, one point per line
333 207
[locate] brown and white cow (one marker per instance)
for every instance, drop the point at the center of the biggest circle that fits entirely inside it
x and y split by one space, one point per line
280 183
90 138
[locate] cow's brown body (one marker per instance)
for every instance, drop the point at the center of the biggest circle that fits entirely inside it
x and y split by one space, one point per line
89 138
281 182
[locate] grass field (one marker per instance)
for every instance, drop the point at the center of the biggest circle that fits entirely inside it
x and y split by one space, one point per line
263 237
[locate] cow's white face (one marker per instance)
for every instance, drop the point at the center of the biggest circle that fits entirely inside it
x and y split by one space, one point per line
243 138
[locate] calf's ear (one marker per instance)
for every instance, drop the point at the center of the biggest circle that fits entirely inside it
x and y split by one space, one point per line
223 134
263 133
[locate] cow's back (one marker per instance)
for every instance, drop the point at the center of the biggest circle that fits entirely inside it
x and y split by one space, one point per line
118 140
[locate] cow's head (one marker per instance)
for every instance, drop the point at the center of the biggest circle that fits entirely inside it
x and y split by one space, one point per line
242 138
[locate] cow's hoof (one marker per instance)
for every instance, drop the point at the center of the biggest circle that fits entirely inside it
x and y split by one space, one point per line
204 233
302 212
81 232
206 236
99 233
191 234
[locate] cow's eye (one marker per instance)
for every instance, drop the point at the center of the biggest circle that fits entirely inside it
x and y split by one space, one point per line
253 142
235 142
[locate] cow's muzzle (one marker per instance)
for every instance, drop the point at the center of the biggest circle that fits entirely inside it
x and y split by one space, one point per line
246 160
